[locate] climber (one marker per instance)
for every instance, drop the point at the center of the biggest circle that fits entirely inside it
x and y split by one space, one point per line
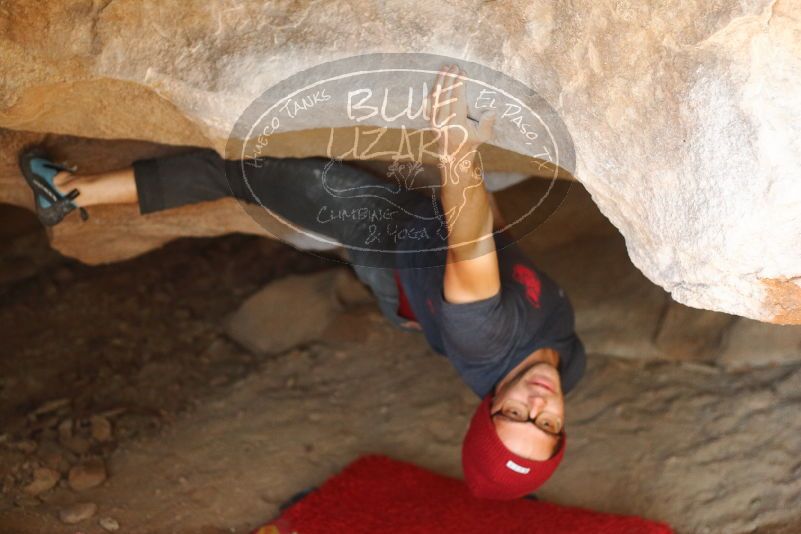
506 327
